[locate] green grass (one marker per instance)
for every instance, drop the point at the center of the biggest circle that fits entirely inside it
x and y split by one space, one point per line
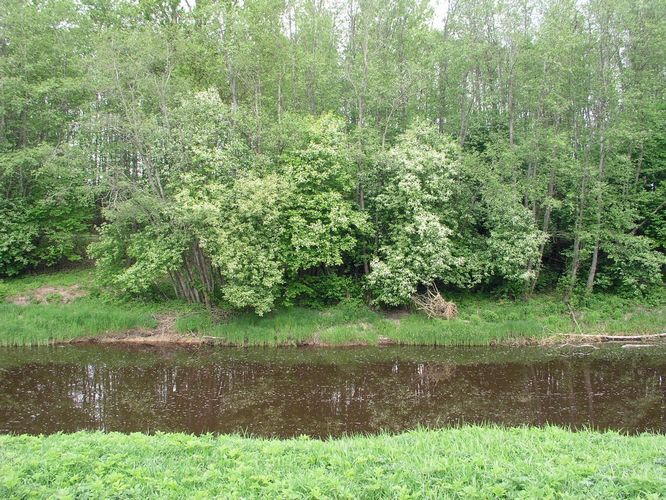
338 324
23 284
41 323
36 324
466 462
482 320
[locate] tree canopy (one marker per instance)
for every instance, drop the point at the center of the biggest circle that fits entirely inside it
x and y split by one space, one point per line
251 154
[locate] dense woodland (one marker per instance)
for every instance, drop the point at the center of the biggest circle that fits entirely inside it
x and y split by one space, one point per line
256 153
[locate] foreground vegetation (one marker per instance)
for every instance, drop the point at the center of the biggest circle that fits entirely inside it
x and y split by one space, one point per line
461 462
482 319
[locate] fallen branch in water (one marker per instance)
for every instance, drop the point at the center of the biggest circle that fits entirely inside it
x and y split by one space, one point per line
622 338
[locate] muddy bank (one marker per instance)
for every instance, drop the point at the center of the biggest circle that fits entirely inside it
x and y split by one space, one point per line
164 333
49 295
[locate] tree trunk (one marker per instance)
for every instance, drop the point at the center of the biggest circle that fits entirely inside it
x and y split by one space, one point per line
546 224
361 204
595 253
575 258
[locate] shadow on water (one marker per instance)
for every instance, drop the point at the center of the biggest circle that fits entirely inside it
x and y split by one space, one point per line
327 392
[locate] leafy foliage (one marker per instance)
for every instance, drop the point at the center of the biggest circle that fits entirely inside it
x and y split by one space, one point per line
246 154
470 462
413 208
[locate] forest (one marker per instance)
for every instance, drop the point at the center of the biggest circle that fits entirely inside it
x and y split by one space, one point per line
254 154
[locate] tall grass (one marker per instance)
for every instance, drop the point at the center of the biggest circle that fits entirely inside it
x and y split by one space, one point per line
41 323
467 462
482 320
343 323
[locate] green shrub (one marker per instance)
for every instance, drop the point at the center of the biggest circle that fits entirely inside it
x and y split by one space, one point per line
319 291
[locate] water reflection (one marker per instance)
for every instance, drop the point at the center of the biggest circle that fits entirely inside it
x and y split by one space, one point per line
281 397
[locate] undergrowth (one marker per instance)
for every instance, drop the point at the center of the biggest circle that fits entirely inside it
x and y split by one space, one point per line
467 462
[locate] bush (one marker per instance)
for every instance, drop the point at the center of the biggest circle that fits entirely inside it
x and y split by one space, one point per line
319 291
17 235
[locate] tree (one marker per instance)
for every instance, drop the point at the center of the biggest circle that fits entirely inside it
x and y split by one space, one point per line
508 146
414 238
47 210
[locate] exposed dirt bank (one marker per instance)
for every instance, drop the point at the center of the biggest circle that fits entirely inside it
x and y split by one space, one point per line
163 333
49 295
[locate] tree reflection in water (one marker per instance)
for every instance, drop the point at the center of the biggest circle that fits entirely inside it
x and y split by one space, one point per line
285 395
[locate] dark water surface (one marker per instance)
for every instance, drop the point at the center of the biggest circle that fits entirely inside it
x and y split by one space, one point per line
327 392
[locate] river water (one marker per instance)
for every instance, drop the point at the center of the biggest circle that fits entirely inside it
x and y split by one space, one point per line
328 392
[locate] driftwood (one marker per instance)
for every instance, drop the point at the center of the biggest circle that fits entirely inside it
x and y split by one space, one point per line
623 338
578 346
434 305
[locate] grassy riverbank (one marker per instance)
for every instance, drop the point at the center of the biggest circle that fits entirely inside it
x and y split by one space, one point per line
466 462
481 321
32 312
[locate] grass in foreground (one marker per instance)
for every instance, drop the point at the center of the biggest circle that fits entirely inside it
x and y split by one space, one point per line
482 320
467 462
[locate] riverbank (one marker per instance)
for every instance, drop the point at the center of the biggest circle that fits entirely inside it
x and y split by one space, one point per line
457 462
59 308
